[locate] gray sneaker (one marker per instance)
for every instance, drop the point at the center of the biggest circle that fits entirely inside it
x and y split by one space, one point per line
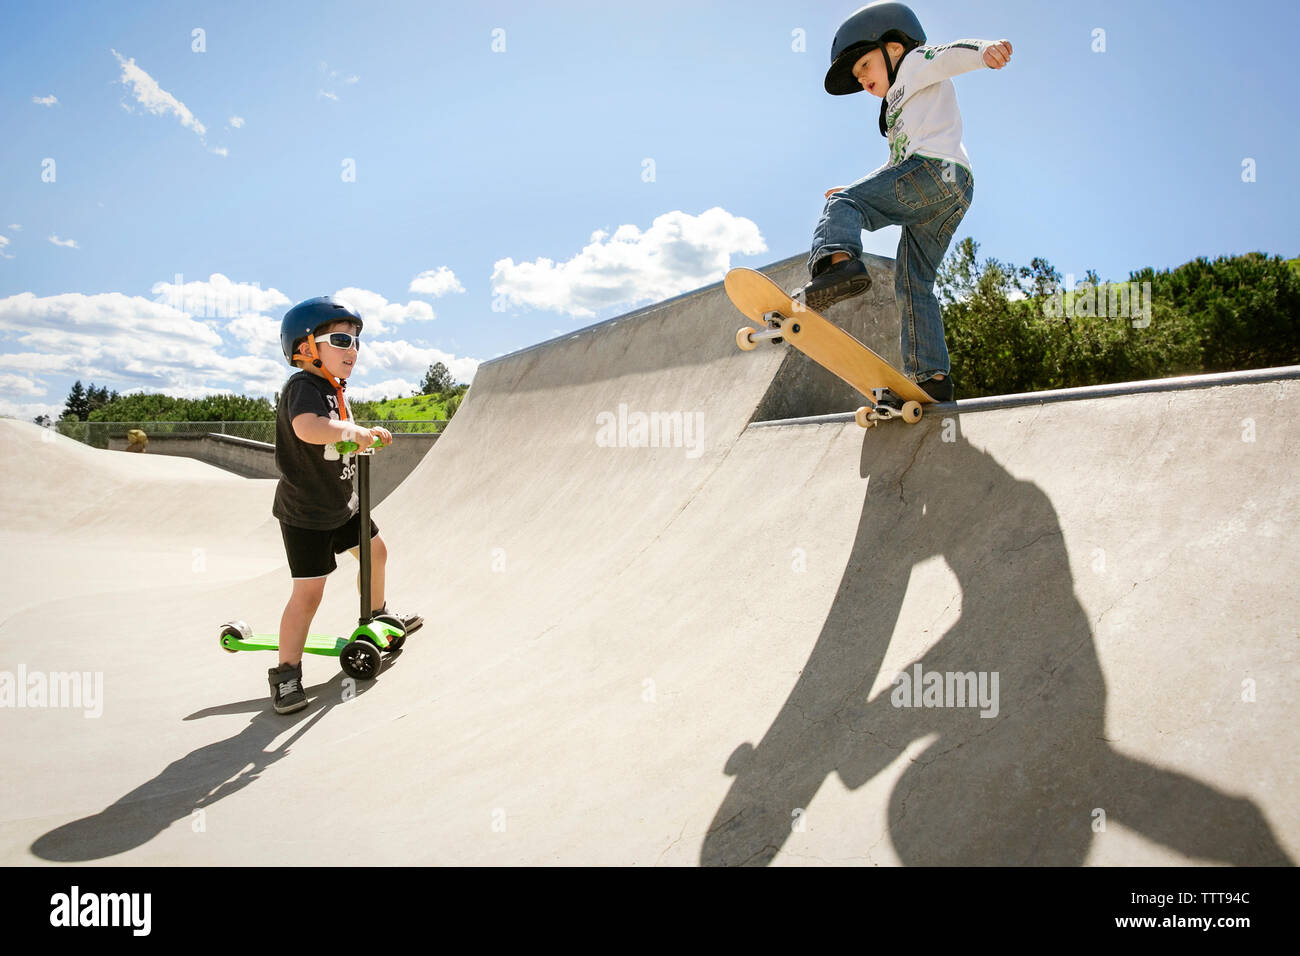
287 694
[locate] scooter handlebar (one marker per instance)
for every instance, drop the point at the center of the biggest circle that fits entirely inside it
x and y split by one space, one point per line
348 447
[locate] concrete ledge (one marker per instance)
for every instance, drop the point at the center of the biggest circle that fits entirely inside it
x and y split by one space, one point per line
1049 396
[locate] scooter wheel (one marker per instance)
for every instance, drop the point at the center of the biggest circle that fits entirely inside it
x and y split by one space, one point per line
395 643
236 631
360 659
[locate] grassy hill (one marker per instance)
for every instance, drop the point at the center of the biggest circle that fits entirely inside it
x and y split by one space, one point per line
416 408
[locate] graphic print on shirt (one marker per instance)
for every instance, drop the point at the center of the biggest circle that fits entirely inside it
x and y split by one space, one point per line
897 138
349 469
893 125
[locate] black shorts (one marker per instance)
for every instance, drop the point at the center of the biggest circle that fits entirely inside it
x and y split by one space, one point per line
311 553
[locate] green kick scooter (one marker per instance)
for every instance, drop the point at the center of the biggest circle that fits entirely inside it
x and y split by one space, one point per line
359 655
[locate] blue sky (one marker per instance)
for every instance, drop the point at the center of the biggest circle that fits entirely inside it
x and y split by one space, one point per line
480 177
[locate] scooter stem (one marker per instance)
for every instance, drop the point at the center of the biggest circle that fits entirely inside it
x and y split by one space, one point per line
363 492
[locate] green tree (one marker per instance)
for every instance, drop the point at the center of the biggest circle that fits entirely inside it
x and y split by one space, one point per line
77 405
1015 329
97 398
437 380
152 407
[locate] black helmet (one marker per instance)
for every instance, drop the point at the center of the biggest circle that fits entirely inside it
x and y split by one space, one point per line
306 317
873 26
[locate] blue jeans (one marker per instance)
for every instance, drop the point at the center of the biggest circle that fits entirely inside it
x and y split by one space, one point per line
928 198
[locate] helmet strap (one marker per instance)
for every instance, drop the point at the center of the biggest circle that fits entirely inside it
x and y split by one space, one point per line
892 70
339 384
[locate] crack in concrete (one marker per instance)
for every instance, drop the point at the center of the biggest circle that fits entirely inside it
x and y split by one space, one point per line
903 476
1046 534
660 858
757 853
1096 624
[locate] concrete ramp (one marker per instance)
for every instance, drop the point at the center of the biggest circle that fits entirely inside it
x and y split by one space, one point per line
662 632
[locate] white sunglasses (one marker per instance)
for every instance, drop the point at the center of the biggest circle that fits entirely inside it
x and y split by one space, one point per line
341 340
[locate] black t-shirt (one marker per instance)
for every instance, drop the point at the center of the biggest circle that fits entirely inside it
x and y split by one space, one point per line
315 489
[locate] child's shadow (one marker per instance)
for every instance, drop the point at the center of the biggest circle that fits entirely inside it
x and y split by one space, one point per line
1033 784
195 781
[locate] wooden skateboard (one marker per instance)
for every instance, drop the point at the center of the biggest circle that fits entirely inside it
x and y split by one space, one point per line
778 316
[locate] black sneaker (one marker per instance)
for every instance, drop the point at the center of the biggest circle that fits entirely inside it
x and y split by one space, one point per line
835 283
409 622
287 694
940 389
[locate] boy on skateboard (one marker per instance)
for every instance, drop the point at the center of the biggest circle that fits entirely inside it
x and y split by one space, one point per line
315 500
926 187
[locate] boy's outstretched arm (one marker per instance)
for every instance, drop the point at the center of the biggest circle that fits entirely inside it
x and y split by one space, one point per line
930 64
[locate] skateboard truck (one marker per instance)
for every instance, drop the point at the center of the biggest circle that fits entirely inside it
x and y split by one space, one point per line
878 409
748 338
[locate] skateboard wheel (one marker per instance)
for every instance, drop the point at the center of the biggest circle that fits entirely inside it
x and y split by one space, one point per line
360 659
237 631
395 643
911 412
863 417
744 341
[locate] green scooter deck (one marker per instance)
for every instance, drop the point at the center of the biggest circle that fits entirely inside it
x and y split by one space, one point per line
327 645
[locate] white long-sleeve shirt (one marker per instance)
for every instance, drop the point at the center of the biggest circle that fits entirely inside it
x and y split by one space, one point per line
922 115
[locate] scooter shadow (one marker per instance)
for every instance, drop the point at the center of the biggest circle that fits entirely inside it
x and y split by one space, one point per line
201 778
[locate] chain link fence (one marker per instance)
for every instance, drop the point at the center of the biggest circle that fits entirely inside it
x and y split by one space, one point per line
97 434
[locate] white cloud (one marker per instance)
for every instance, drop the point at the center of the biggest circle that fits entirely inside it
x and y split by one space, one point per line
154 98
218 297
104 314
237 122
379 314
220 151
26 411
113 339
15 227
50 100
37 362
413 361
259 334
256 374
243 311
679 252
66 243
4 241
389 388
174 343
435 283
20 385
329 96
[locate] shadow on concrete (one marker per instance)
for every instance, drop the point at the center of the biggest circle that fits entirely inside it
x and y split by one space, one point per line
196 781
1018 788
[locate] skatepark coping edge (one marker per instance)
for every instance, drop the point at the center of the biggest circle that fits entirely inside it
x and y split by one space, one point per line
990 403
